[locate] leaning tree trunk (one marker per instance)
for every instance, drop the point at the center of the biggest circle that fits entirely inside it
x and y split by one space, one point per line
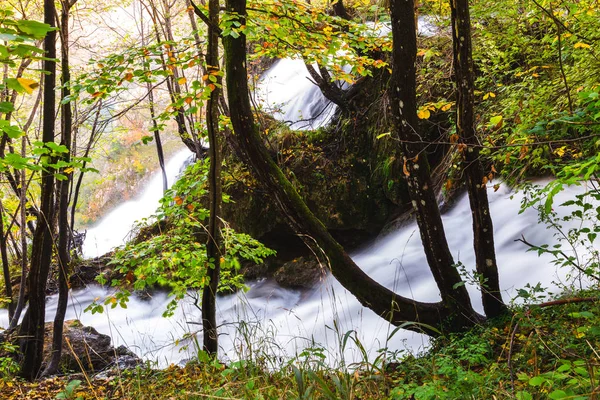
483 229
32 328
213 245
403 106
429 317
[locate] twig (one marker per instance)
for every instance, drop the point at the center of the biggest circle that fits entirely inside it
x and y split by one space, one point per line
509 356
568 301
567 258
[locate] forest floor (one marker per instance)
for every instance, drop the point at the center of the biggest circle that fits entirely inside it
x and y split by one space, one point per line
538 352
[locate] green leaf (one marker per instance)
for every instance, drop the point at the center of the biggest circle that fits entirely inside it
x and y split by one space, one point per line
558 394
537 380
6 107
522 395
34 28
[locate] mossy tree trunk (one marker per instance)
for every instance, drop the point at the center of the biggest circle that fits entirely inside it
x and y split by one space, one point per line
396 309
403 105
483 229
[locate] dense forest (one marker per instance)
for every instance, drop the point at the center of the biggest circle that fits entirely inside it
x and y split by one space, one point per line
405 108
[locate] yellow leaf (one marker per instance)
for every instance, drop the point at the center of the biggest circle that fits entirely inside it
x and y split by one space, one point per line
28 84
181 81
424 114
581 45
68 170
446 107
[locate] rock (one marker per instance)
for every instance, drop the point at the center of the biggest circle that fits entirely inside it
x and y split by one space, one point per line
85 349
86 272
300 273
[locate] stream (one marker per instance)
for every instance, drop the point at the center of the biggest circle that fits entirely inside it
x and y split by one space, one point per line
283 323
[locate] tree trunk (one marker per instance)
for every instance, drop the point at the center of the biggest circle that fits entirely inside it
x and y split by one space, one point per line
64 232
5 266
24 262
155 130
403 105
213 245
32 329
428 317
483 229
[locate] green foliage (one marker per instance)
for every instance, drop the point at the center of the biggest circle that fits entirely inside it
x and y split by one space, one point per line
176 258
539 353
8 364
69 392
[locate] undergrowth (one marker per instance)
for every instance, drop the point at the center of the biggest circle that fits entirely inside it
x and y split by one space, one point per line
538 352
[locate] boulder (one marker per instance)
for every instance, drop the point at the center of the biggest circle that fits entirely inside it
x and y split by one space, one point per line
85 349
300 273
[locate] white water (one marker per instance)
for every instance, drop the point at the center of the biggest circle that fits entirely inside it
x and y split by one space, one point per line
284 322
114 228
287 91
271 320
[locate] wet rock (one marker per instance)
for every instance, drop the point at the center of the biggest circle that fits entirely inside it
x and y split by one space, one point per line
300 273
86 349
87 272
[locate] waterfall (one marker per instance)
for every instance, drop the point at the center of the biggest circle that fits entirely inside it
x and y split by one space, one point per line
287 91
284 322
112 230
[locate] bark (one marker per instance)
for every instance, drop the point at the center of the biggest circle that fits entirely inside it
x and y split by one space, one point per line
32 328
213 245
416 168
24 262
427 317
5 265
64 232
483 229
329 89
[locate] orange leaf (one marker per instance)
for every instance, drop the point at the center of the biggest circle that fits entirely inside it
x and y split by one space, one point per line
405 169
178 200
188 100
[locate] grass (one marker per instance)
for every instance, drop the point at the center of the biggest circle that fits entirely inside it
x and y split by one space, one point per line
536 353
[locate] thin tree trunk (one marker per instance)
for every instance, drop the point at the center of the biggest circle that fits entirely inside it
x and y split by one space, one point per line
5 265
403 106
88 148
32 329
24 261
64 232
427 317
155 130
213 245
483 229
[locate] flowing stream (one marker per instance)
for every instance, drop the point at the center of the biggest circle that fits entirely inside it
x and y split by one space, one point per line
270 320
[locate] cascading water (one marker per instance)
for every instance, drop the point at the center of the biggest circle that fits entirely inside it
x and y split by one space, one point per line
282 322
285 322
287 91
114 228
